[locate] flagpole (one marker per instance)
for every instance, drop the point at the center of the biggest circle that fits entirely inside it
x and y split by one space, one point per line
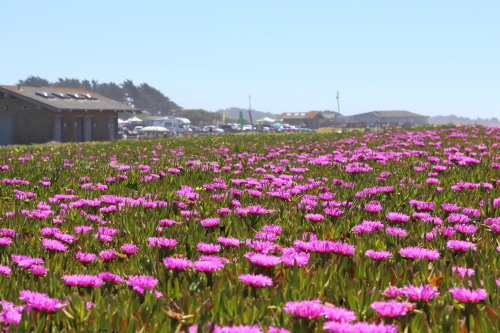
250 109
338 103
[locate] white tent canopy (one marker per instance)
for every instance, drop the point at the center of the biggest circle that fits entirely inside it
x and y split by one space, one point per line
154 129
134 120
266 120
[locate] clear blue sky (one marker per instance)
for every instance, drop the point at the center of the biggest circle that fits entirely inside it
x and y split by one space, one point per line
434 57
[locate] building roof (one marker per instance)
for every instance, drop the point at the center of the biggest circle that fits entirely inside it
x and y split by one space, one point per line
300 115
393 114
66 99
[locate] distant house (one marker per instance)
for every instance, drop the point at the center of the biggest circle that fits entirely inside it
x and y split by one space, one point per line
386 118
332 119
37 115
302 119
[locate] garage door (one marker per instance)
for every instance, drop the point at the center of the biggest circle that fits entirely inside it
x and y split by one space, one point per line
6 130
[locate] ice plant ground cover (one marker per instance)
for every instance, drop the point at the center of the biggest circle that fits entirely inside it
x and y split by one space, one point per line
382 232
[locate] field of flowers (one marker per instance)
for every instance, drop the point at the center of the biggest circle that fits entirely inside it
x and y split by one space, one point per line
387 232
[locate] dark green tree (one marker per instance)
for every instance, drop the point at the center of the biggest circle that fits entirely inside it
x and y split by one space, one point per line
34 81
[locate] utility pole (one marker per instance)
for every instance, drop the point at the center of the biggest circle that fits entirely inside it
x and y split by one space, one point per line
250 109
338 103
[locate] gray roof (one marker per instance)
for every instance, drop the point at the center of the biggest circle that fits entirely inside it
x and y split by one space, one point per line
393 114
61 99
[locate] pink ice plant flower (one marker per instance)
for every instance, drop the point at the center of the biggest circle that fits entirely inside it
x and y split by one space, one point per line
110 277
420 293
40 301
107 254
314 217
83 280
129 248
462 271
85 256
55 245
306 309
162 242
398 232
38 270
390 308
4 241
263 259
177 263
378 255
415 252
11 314
359 327
208 247
210 222
392 292
5 270
465 295
256 280
25 261
167 222
228 241
142 282
459 245
397 217
208 266
338 314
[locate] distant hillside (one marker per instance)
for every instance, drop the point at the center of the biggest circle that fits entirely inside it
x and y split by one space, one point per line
234 113
454 120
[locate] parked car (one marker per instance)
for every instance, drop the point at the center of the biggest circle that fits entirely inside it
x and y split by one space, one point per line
248 128
213 129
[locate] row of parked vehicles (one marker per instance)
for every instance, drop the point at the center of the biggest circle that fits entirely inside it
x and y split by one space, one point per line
171 127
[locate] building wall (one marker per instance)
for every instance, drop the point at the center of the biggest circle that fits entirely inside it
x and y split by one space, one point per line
32 123
80 126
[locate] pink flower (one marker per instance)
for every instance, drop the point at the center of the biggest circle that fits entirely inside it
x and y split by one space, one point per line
110 277
142 282
210 222
263 259
459 245
208 247
420 293
390 309
85 257
40 301
55 245
256 280
392 291
373 207
107 254
415 252
380 255
177 263
462 271
305 309
228 241
207 266
83 280
162 242
38 270
315 217
468 295
397 217
5 241
11 313
129 248
399 232
359 327
5 270
167 222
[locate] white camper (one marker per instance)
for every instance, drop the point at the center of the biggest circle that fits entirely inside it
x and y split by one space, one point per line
177 125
